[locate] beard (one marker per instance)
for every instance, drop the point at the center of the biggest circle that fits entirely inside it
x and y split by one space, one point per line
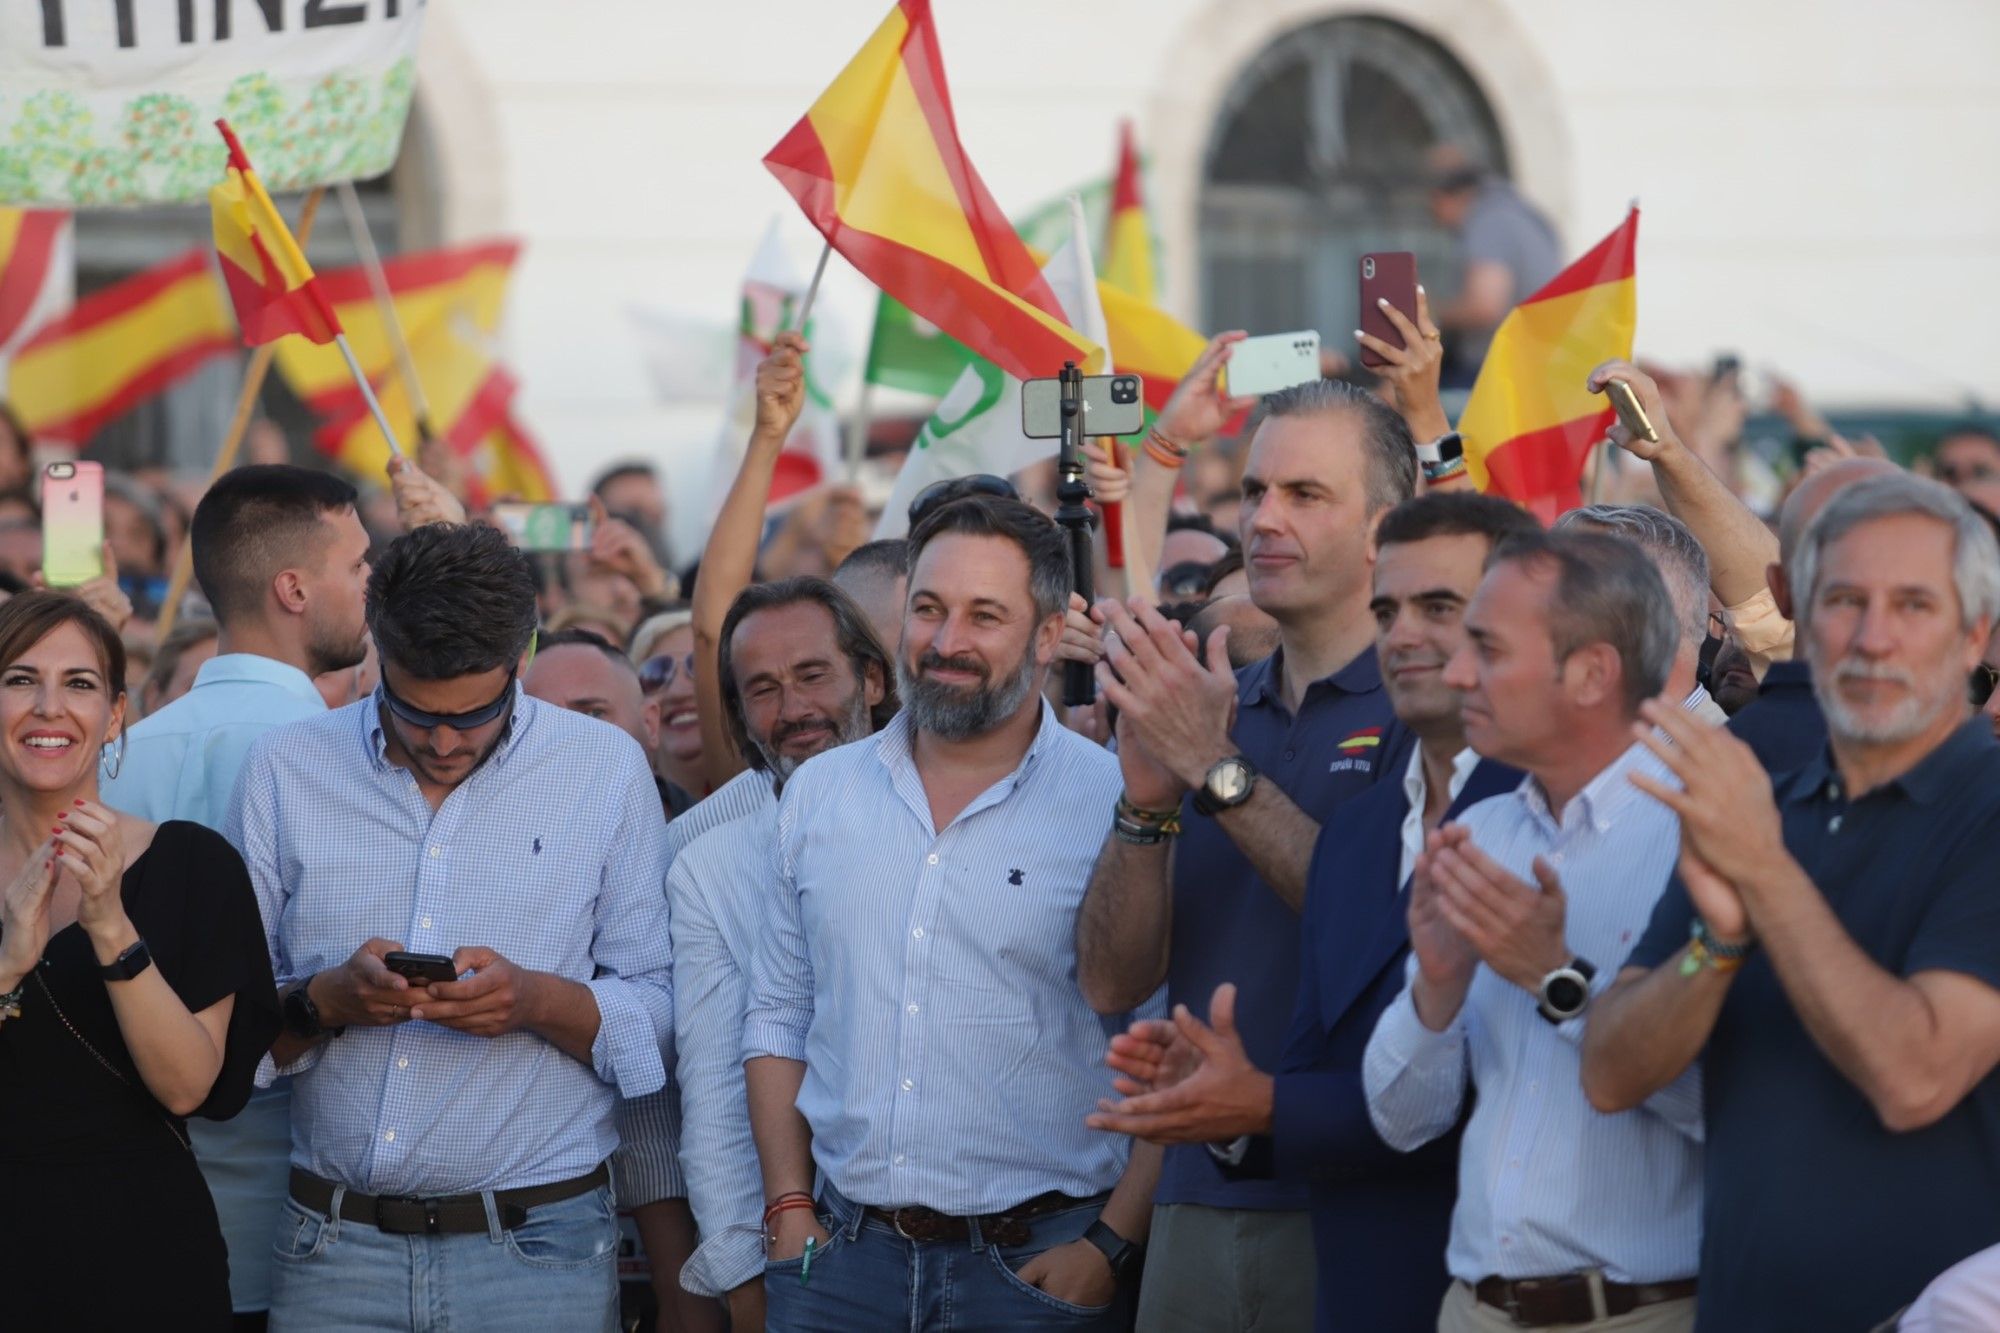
852 725
956 713
335 648
1905 721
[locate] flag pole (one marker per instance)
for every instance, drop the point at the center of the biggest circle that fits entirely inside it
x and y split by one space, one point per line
857 433
378 284
367 393
232 442
812 291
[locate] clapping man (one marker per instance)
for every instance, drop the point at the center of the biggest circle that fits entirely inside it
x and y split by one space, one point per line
449 1135
1830 950
1518 913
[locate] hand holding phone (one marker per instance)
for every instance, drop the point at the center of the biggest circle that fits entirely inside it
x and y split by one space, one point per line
72 523
1642 428
1391 277
421 969
1272 362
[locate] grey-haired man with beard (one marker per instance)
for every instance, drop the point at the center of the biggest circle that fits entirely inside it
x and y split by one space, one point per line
915 1029
801 672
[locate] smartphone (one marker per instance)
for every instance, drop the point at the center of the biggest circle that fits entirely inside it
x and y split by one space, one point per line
1391 277
72 523
1272 362
428 968
545 527
1112 405
1626 404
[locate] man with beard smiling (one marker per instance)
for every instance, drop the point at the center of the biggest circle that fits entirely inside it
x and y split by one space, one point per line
1830 951
915 1032
801 673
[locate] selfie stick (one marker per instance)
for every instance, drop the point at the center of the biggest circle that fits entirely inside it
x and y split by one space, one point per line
1074 517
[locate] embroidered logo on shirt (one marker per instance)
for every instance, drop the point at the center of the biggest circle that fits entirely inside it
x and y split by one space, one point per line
1355 752
538 847
1014 877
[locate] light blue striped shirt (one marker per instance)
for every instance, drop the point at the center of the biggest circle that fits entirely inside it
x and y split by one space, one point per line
721 895
552 853
1546 1184
927 978
647 1166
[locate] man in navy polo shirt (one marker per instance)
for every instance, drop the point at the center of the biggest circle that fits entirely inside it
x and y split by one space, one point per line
1831 951
1311 727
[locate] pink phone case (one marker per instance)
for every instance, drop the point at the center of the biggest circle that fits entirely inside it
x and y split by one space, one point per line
72 523
1392 277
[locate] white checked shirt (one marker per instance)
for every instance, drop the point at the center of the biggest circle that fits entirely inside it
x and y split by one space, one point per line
927 977
552 853
1547 1184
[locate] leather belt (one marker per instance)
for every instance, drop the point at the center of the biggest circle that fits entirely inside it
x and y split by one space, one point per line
445 1215
1539 1302
1003 1228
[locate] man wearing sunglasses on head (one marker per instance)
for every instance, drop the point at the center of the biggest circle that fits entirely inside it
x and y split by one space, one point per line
449 1137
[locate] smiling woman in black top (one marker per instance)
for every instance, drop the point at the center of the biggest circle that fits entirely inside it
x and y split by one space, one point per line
136 991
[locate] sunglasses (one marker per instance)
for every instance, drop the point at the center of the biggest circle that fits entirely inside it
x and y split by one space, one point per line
941 493
656 673
1984 677
467 721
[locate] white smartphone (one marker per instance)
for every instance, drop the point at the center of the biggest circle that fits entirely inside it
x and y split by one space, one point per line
1273 362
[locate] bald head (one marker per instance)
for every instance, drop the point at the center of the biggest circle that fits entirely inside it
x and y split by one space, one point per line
1813 494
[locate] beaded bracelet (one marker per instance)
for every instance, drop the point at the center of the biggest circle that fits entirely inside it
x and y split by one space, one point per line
1704 950
1167 821
1164 451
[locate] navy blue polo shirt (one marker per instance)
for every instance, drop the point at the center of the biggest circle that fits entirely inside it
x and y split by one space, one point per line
1815 1216
1229 925
1783 724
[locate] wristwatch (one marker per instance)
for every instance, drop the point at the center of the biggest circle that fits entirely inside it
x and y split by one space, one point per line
1443 457
1565 991
1227 785
1124 1257
301 1015
136 959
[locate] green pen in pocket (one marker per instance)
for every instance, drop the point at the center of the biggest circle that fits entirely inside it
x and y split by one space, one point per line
806 1268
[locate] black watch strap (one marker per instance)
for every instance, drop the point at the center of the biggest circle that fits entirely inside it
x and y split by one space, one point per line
1123 1256
301 1015
136 959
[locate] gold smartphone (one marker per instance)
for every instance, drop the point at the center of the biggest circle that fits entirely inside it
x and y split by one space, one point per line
1626 404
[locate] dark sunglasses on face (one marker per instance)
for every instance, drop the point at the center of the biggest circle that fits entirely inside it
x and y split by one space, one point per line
1984 677
941 493
467 721
656 673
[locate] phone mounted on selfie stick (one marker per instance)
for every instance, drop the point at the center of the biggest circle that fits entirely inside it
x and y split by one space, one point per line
1074 516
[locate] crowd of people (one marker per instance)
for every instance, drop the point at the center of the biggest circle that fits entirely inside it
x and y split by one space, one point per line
1435 922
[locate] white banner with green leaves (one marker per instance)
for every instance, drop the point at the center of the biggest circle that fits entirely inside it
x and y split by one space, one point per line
106 102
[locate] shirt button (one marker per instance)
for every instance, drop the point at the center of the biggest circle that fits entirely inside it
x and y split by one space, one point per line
437 852
899 1159
1534 1086
918 933
390 1137
1555 858
933 858
1833 825
403 1063
1290 755
913 1008
427 923
909 1084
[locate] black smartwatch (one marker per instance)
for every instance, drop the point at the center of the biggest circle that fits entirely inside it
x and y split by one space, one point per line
301 1015
1565 991
1227 785
1124 1257
136 959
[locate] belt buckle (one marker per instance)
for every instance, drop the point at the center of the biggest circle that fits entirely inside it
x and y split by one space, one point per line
431 1226
896 1220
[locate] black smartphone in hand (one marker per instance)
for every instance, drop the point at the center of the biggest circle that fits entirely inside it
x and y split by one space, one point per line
421 969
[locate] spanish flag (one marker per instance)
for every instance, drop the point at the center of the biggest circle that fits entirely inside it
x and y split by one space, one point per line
1128 242
877 166
265 271
118 347
1530 424
467 391
29 241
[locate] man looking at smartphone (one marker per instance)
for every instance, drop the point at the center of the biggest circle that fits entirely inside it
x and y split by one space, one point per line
283 560
449 1140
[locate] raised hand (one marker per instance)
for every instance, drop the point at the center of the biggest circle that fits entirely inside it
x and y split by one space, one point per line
1413 369
1176 705
420 501
1516 927
1731 833
1446 960
87 849
617 547
1648 393
1198 409
781 387
1110 483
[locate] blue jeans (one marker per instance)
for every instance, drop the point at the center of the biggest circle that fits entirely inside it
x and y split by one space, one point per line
556 1271
868 1277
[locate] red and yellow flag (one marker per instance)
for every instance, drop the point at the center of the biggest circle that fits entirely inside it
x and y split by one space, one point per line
28 246
507 463
266 273
1530 422
119 346
1128 240
468 394
466 284
877 166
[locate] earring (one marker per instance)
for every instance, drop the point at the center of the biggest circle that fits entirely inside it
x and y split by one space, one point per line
112 762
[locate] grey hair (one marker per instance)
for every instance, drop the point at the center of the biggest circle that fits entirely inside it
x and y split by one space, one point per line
1671 546
1607 591
1975 562
1392 455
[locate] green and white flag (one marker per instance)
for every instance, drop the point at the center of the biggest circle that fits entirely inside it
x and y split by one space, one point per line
910 352
977 427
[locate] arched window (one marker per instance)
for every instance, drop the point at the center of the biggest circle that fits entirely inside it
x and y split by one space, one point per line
1317 158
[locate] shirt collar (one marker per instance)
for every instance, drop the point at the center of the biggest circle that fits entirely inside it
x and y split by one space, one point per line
892 743
1605 796
1937 775
1789 674
376 745
1414 786
231 668
1696 698
1258 683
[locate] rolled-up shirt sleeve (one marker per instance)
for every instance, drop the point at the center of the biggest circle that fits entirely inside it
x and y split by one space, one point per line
1415 1078
781 972
631 949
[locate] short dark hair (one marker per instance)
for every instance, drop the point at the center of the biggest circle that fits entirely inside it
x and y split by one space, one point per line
620 471
1182 521
1044 544
28 618
583 638
1963 430
1453 514
1230 563
1607 591
888 558
1392 454
256 521
451 599
851 633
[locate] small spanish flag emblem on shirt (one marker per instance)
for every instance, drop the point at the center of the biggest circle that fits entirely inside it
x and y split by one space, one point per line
1366 738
